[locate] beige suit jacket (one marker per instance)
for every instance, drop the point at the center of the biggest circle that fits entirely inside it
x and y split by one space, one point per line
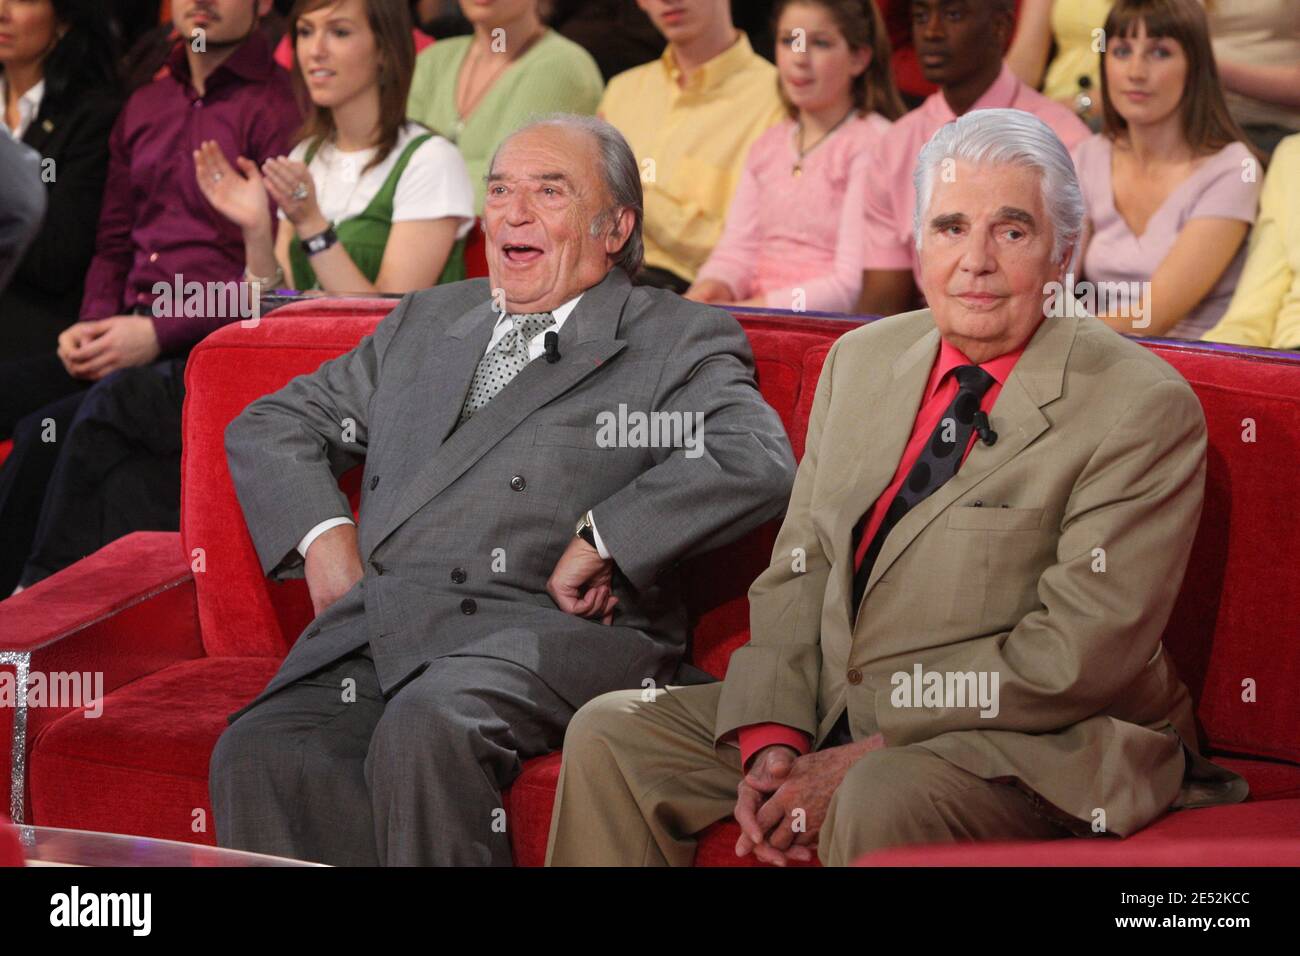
1048 564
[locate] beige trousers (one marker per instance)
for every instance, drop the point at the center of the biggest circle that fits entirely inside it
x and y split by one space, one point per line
641 777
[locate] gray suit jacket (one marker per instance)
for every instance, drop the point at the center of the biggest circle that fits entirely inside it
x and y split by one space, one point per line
460 528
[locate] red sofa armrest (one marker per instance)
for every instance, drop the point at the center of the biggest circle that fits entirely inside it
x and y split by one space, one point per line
126 611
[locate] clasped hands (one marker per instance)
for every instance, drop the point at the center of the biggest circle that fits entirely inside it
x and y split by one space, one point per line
781 802
95 348
581 583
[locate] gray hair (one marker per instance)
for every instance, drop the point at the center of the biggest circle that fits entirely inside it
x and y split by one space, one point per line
621 174
1015 138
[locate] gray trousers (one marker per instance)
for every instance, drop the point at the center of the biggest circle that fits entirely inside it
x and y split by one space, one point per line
328 770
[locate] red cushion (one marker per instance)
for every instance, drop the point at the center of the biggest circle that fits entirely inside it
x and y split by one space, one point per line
141 767
1272 813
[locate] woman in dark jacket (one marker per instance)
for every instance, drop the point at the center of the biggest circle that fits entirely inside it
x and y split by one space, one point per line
59 94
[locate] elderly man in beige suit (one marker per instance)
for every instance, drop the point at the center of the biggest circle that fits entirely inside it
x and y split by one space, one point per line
958 637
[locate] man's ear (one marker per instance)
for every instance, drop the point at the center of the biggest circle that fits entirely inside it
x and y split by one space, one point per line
264 8
620 231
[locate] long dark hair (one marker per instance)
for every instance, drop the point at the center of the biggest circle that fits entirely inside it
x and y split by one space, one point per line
85 59
1207 125
873 90
391 24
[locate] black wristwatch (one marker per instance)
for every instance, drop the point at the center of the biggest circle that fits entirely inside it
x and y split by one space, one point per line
586 530
320 242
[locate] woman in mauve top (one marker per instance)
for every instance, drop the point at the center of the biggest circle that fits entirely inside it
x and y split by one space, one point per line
793 234
1171 188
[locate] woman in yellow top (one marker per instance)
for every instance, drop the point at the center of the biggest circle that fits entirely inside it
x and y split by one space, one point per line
1265 309
1073 77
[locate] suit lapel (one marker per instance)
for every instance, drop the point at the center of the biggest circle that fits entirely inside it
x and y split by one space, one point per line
890 414
1036 380
588 339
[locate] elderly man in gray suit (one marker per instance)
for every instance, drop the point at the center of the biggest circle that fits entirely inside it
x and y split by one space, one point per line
462 621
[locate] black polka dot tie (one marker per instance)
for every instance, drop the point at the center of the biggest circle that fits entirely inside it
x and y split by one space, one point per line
939 460
503 361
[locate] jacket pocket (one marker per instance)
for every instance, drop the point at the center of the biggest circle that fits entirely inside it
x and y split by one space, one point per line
986 518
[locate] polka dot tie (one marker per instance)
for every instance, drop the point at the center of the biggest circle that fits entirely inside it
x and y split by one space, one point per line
939 460
503 361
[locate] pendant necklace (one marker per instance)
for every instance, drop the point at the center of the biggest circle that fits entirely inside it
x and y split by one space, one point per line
797 169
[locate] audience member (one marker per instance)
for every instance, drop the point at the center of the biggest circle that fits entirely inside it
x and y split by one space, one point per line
1171 189
782 246
617 33
396 196
146 57
476 90
1265 309
691 117
284 49
960 44
1073 28
1257 47
156 233
59 94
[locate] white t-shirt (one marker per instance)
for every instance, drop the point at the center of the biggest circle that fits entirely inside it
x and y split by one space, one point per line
435 184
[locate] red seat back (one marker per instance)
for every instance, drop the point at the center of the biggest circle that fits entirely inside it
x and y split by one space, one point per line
1236 619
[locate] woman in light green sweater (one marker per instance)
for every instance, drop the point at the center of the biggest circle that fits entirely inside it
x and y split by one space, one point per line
476 90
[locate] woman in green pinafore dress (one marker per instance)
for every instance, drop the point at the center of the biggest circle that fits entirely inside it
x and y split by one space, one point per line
368 200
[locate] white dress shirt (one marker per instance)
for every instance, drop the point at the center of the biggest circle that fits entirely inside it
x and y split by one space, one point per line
29 104
536 348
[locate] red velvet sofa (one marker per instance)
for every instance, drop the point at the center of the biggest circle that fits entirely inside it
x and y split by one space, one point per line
185 628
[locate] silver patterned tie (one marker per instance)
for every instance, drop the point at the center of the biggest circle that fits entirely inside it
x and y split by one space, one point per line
503 361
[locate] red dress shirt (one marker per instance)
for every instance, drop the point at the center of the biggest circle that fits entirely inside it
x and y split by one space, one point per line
939 393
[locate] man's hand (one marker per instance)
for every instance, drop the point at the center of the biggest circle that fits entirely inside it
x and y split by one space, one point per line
581 582
332 566
803 796
767 771
91 350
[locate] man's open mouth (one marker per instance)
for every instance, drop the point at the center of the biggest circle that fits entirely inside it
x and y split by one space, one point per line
519 252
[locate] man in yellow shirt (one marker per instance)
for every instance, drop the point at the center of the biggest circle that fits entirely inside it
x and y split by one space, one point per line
690 117
1265 309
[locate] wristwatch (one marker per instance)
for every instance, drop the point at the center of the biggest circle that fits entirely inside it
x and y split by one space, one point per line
586 530
320 242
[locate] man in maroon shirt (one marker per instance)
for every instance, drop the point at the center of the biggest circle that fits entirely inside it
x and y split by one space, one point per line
124 359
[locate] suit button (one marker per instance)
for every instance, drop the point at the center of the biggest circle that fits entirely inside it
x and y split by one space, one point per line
374 483
855 676
468 606
458 575
518 483
379 568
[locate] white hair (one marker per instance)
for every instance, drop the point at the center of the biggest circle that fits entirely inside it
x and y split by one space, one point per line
1013 138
